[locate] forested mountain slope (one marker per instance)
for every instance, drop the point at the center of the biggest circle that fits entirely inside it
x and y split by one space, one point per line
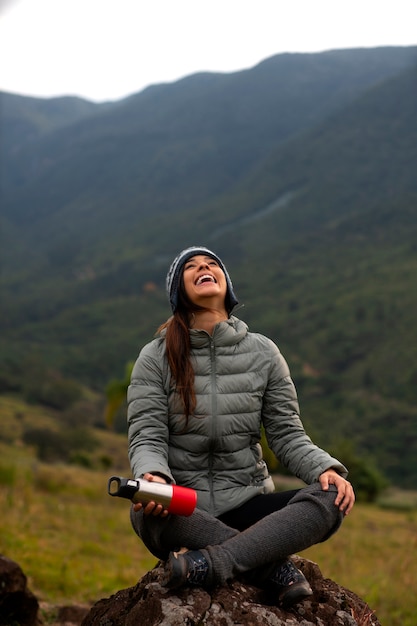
299 172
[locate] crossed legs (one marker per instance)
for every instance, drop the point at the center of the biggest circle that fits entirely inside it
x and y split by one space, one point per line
308 517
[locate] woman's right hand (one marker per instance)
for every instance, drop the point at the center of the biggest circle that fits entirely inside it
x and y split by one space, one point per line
152 508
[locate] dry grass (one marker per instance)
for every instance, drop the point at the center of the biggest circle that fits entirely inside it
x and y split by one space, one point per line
72 540
75 543
373 554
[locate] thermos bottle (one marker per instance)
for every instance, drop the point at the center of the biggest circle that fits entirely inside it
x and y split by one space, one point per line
178 500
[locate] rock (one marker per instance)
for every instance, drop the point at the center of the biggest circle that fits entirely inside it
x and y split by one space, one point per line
18 605
56 615
150 604
72 614
237 604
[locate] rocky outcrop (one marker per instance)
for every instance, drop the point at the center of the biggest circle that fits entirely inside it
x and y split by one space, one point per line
150 604
18 605
237 604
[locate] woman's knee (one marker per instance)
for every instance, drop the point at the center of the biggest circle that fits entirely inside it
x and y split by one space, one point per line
316 490
324 501
149 530
332 514
136 519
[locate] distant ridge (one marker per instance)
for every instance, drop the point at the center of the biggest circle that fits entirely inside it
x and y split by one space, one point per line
299 172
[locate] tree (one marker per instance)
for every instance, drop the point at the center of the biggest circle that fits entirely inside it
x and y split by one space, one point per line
116 391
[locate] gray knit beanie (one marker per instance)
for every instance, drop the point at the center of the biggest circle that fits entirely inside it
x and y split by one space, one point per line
175 273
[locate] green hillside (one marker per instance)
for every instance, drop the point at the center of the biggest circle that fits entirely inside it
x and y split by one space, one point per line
299 172
89 550
169 148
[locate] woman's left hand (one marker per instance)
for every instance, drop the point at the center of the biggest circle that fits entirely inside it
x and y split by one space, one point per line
345 495
152 508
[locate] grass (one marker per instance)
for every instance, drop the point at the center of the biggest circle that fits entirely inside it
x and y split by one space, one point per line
71 539
373 555
75 543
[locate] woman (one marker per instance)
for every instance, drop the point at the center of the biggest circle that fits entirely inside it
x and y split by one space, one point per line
198 397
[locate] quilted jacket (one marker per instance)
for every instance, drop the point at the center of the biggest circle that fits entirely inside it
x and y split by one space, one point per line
241 381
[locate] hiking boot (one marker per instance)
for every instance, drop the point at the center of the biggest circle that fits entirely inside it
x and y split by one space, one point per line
185 568
291 584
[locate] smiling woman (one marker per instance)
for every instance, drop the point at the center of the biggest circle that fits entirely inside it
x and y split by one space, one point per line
199 395
205 286
188 260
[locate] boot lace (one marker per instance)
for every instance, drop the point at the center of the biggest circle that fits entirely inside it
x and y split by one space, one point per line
197 567
287 574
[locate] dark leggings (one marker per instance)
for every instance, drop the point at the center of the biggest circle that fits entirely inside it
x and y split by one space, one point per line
256 509
266 529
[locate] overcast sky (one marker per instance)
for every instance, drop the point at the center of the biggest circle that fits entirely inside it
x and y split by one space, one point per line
106 50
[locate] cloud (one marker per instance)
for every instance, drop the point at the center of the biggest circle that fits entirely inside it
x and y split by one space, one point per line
7 4
102 49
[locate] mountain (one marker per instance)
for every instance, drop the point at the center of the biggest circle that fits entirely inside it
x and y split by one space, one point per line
299 172
197 136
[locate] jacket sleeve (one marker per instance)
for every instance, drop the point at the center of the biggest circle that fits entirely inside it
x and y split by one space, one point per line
284 430
147 415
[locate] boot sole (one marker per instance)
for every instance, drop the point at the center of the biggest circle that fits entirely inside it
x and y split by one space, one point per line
175 574
295 593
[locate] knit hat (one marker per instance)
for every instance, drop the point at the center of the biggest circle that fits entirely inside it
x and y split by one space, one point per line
175 273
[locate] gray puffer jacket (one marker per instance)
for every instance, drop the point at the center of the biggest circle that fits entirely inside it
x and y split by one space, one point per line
241 382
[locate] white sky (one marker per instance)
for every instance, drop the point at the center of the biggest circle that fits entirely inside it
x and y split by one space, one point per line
105 50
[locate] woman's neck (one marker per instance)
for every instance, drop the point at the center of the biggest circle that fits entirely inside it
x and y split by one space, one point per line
207 319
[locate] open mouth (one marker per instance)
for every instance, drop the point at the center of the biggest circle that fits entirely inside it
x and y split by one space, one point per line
205 278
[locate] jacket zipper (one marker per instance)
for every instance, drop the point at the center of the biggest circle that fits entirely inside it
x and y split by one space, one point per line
212 421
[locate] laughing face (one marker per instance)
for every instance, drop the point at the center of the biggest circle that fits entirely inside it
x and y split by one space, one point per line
204 282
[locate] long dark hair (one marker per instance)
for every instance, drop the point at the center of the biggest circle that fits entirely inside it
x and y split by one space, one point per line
178 350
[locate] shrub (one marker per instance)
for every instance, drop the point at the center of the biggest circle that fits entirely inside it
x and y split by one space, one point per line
367 481
59 446
52 390
7 475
